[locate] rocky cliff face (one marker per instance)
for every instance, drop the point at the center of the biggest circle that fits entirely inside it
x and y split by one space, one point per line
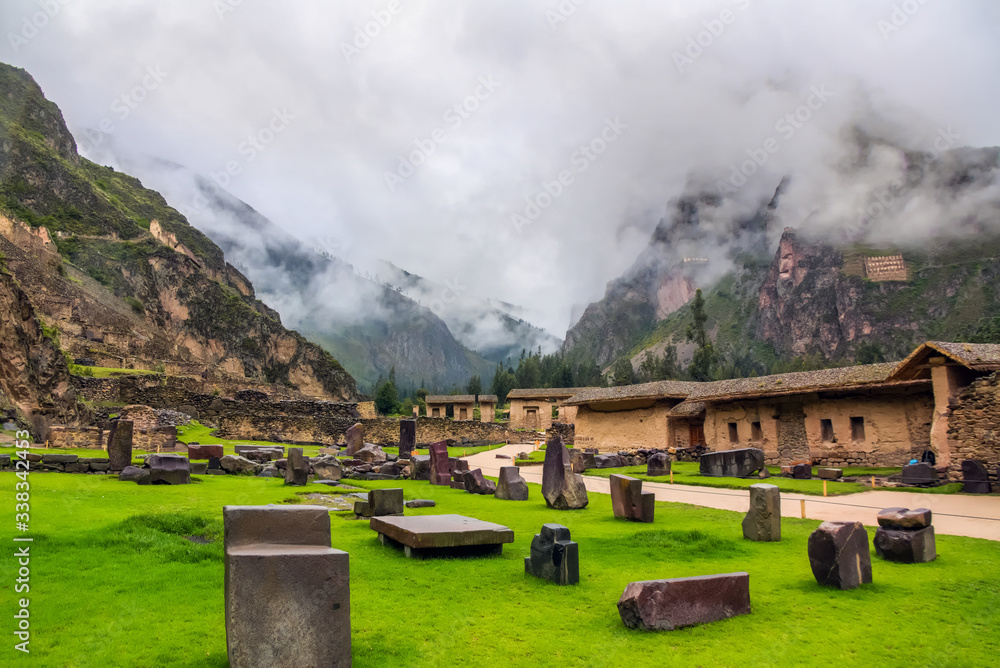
124 276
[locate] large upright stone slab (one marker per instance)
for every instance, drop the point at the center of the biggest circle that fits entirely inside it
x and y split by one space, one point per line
296 468
440 473
407 438
475 483
665 605
169 470
420 467
288 596
120 444
763 521
355 438
511 486
628 501
658 464
906 536
554 557
839 556
562 489
742 463
975 479
577 460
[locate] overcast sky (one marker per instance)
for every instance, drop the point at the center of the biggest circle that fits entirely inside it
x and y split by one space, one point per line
502 95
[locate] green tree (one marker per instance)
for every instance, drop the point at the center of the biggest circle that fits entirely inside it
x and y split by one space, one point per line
704 356
622 373
475 386
386 398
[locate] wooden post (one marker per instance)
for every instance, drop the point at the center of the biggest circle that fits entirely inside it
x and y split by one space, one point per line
46 444
873 482
824 488
671 476
802 504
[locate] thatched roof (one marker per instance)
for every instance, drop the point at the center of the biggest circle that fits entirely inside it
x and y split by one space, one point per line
983 357
793 383
546 393
450 399
687 409
488 399
663 389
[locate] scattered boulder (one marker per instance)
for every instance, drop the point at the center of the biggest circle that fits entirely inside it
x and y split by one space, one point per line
920 475
457 480
554 557
421 466
562 489
362 509
420 503
270 471
440 472
975 478
658 465
763 521
665 605
199 468
370 454
355 437
475 483
741 463
327 468
830 474
238 465
577 460
169 470
511 486
296 468
802 471
839 556
629 502
389 469
906 536
134 474
196 451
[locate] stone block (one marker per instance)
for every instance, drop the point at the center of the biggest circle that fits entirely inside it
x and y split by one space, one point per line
589 460
763 521
120 444
908 546
327 468
665 605
60 459
562 489
407 438
199 468
475 483
440 472
386 501
802 471
362 509
169 470
904 518
420 503
741 463
920 475
511 486
658 464
554 557
420 466
458 464
287 592
100 467
199 452
268 471
236 465
628 501
839 555
577 460
355 437
296 468
442 535
390 469
830 473
371 454
134 474
975 478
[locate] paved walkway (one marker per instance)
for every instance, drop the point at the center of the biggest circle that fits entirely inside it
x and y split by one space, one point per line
955 514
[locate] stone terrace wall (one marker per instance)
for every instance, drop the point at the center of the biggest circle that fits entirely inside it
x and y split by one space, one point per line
974 426
76 437
385 431
566 431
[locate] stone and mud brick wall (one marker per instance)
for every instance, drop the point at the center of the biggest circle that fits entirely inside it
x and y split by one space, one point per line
565 431
615 431
974 426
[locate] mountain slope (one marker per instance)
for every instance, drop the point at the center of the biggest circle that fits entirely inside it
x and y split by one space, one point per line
370 327
124 275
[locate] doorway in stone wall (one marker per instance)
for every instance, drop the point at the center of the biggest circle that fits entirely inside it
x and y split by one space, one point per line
531 418
696 435
463 414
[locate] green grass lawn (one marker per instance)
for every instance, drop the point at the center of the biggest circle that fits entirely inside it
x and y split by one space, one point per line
114 583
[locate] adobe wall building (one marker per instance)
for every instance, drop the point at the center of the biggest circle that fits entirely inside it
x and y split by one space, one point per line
532 408
487 407
871 415
463 406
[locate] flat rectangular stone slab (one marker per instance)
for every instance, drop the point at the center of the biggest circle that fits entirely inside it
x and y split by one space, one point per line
665 605
443 535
